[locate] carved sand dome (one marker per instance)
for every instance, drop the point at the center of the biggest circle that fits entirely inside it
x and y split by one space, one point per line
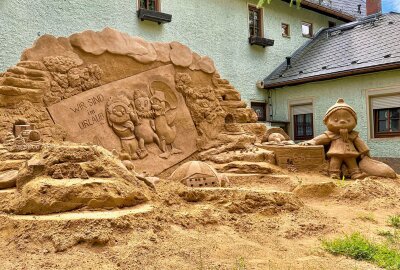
191 168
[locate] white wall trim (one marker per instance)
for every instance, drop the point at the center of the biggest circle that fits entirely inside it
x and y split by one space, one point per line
376 92
299 102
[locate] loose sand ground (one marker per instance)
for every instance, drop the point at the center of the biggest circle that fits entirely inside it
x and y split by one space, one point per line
256 224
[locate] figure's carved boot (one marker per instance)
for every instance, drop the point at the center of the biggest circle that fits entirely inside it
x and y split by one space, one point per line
163 148
142 153
175 150
357 174
334 174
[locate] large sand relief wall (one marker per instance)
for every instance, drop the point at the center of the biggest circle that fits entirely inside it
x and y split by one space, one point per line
151 103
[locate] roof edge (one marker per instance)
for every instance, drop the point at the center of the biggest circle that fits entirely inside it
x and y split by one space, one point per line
336 75
295 54
325 10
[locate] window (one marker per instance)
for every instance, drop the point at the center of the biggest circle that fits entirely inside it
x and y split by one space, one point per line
255 21
285 30
386 116
149 4
261 110
303 122
331 24
307 29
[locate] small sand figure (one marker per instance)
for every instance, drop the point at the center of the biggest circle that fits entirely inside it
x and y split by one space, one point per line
345 144
276 135
120 118
145 129
165 129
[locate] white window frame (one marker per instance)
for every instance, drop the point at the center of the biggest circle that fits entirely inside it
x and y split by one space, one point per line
369 95
299 102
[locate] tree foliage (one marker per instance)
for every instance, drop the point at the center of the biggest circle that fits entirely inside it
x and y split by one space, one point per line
263 2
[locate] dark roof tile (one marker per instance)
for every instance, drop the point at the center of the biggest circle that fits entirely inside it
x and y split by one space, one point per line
360 44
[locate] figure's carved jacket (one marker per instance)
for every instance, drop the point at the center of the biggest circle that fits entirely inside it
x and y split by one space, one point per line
353 147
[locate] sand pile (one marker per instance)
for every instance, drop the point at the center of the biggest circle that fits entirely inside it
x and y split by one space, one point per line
71 176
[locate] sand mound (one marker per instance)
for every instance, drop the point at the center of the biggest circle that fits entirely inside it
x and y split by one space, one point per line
315 190
71 176
367 189
245 201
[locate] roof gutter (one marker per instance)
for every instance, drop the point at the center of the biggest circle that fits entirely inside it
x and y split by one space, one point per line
335 75
325 11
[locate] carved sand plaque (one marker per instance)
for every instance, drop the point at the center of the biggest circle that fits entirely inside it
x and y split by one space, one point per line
142 117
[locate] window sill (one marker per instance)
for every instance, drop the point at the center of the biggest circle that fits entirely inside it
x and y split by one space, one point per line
260 41
154 16
391 138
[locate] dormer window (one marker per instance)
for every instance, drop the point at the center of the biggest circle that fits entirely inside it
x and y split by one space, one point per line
255 21
149 4
149 10
285 30
307 29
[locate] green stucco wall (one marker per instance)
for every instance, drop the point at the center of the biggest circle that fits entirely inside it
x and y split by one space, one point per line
218 28
354 90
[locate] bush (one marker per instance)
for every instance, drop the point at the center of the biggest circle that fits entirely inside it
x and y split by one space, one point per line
394 221
358 247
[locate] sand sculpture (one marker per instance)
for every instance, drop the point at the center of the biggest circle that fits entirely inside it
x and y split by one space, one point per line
199 174
345 146
275 135
88 120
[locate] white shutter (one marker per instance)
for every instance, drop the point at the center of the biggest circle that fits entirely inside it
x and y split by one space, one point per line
302 109
385 102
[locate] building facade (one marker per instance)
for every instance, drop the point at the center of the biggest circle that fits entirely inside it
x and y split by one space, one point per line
359 62
219 29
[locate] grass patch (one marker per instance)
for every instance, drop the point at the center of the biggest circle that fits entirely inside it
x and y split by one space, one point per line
391 237
394 221
367 217
360 248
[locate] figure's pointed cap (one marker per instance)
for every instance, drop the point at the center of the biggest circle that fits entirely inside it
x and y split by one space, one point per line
340 104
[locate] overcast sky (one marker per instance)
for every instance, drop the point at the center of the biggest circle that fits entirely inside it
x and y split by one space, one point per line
390 5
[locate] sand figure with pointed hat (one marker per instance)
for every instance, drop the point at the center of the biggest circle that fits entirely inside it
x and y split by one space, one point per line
165 129
145 129
345 144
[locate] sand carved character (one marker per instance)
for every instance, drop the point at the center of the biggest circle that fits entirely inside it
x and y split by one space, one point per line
276 136
164 127
345 144
145 129
121 118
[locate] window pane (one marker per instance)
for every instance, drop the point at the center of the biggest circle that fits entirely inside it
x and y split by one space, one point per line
383 114
260 109
383 126
394 125
309 130
300 131
395 113
305 30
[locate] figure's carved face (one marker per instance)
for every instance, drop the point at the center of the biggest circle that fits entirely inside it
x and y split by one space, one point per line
276 137
119 114
157 104
119 110
142 104
341 119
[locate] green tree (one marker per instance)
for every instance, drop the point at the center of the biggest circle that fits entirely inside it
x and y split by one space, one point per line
262 2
